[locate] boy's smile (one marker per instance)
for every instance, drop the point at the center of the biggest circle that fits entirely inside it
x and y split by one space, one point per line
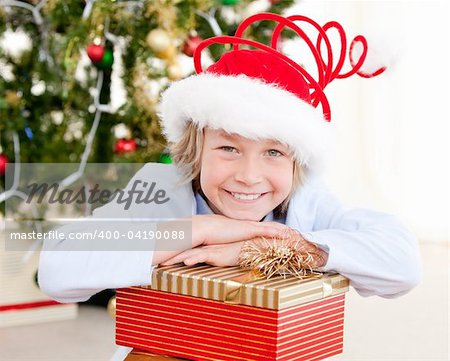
246 197
243 178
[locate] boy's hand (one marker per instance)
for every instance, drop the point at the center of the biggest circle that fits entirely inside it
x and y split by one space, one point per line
210 230
222 255
216 229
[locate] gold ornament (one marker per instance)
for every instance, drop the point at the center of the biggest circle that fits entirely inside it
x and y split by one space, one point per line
12 98
111 308
168 54
174 71
284 255
158 40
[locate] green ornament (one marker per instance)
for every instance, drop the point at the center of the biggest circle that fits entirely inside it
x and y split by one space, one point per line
229 2
165 158
107 60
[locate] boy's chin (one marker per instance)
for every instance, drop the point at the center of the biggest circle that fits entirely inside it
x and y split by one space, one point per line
245 215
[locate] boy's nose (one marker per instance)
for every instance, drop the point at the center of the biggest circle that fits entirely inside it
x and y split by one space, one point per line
249 171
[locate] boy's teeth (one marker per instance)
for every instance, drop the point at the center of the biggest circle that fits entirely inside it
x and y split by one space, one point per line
246 196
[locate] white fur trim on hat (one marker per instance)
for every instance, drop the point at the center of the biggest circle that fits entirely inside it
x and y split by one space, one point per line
250 108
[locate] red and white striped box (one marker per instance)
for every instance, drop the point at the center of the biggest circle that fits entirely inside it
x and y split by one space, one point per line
140 355
290 326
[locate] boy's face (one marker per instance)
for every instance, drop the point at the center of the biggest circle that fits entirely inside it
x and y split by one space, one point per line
242 178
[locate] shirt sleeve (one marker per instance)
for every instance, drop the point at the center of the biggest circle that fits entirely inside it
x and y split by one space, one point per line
72 270
68 276
374 250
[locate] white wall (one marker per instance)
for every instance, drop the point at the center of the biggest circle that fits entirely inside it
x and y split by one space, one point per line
392 152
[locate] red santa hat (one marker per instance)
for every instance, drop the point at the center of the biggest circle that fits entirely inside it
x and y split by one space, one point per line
261 93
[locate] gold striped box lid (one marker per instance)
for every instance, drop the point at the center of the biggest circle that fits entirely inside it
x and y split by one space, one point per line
237 286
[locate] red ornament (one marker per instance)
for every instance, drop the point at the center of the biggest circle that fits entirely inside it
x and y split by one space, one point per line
125 146
95 52
191 44
4 161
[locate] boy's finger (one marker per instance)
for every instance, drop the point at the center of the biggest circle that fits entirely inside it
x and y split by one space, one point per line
277 225
169 262
266 230
177 259
191 261
201 255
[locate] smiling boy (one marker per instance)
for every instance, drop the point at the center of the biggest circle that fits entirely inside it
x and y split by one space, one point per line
250 144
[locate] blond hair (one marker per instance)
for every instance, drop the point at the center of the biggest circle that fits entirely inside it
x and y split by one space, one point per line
186 154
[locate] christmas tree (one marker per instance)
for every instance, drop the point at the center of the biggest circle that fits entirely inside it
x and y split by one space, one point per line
81 80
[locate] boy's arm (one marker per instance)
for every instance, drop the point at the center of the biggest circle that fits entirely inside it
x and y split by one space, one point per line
68 276
72 270
372 249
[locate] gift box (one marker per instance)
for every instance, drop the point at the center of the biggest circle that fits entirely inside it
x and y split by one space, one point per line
212 313
140 355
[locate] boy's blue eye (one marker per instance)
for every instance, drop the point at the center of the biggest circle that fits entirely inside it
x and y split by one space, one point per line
274 153
228 148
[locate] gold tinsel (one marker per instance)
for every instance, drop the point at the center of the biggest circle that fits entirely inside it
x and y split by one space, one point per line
141 94
284 255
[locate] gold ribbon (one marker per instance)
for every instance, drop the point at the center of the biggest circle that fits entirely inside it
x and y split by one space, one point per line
327 287
234 286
